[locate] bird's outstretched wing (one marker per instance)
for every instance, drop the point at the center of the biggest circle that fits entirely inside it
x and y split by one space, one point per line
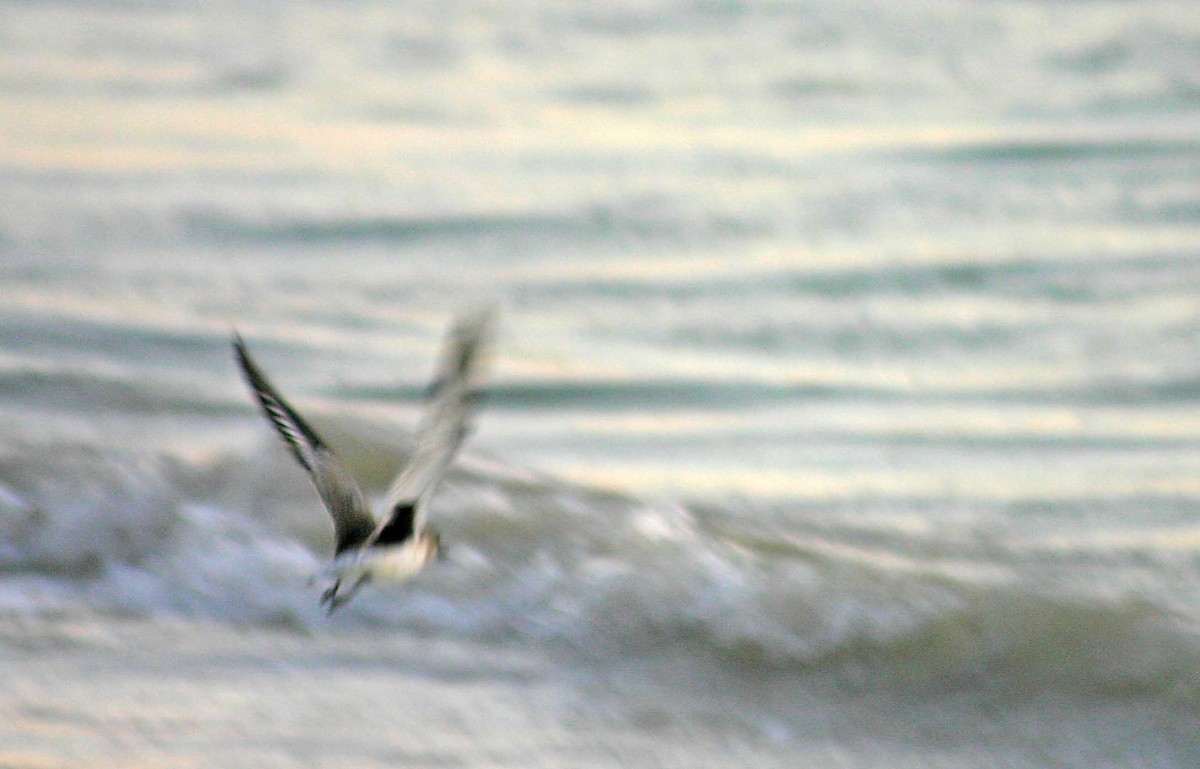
352 519
449 408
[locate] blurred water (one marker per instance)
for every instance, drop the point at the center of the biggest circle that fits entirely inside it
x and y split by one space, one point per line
880 323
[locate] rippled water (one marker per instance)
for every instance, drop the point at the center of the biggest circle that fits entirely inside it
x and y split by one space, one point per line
847 351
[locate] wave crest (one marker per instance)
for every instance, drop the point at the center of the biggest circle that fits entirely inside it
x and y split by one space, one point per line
596 575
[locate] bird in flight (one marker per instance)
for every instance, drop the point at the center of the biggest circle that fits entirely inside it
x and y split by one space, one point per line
398 543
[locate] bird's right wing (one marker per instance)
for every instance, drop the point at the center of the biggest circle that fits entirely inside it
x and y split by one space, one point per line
447 420
352 519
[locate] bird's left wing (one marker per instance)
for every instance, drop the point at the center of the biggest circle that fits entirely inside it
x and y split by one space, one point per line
352 519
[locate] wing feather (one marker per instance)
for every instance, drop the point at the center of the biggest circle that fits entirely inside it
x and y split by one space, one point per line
450 407
352 519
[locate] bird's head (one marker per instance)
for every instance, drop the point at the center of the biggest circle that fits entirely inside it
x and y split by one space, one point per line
430 543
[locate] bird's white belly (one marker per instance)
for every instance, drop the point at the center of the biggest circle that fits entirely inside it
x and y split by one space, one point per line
350 571
393 564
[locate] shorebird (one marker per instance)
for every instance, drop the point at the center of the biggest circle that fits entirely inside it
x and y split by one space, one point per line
398 543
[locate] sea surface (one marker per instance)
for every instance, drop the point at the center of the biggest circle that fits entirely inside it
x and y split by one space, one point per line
844 409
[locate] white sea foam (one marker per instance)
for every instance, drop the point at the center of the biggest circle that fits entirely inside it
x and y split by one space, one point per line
887 359
604 579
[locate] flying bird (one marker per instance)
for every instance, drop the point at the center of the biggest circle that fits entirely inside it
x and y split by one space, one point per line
399 542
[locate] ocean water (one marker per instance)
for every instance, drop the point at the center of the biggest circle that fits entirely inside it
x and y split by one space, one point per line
844 408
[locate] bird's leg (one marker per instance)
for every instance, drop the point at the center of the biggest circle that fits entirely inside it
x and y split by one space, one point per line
330 594
336 600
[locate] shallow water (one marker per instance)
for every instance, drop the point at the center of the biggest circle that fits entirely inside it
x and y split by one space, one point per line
843 409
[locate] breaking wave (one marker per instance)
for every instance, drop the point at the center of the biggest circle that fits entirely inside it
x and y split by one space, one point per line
598 576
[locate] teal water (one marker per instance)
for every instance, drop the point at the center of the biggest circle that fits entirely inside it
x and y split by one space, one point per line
843 348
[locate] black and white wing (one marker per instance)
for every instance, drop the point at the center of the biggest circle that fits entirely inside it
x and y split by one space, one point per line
352 519
449 409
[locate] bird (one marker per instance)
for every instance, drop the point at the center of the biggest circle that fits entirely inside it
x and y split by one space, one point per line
399 542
